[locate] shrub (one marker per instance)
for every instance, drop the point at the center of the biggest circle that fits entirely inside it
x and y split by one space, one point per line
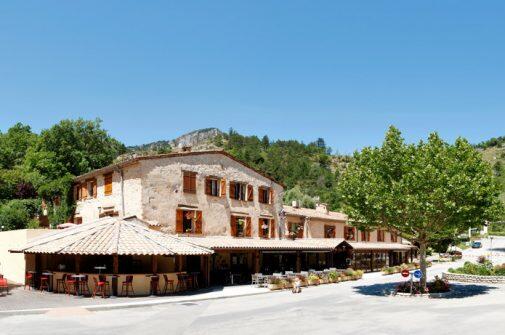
275 281
438 285
349 272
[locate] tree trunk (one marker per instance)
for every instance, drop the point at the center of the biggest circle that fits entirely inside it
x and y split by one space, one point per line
422 259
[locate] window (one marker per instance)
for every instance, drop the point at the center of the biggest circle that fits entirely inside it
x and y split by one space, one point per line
240 226
188 221
189 182
394 237
329 231
238 191
380 235
107 182
295 229
77 192
213 186
264 228
264 195
91 188
365 236
349 233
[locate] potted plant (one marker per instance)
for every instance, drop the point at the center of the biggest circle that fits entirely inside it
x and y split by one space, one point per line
332 277
275 283
313 279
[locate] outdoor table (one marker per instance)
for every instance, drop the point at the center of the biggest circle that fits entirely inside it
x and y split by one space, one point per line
113 288
78 279
50 280
100 268
152 290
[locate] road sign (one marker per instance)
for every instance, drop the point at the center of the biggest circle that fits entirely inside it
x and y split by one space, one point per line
405 273
418 274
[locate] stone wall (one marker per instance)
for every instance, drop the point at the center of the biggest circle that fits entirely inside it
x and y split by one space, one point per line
162 192
473 278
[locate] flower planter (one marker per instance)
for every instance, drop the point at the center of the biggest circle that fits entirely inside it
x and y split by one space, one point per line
314 282
273 287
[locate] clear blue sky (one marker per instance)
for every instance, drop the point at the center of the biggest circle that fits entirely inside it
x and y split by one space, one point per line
342 70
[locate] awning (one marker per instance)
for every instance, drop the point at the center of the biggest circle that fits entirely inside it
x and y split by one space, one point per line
246 243
380 246
111 236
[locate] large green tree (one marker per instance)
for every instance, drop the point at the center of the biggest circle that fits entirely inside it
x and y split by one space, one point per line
426 191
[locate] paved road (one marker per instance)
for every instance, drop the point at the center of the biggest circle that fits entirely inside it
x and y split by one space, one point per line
347 308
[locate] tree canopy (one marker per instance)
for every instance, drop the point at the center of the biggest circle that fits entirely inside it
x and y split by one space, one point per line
426 191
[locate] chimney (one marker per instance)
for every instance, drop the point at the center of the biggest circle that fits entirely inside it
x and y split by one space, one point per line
322 208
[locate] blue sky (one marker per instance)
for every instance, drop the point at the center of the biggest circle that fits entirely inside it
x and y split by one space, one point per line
342 70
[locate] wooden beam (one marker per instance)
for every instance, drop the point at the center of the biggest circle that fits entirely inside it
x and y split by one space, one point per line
115 270
154 264
77 263
298 261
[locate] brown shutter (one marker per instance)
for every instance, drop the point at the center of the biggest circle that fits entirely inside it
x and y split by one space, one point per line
232 189
85 190
198 222
260 230
272 228
250 193
108 184
270 196
208 188
94 188
248 227
222 187
233 226
178 221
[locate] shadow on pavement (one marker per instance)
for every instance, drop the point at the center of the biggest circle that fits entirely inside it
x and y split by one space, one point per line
458 290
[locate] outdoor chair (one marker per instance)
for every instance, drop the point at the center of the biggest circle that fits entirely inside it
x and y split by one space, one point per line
255 279
101 287
4 285
70 285
169 285
289 273
29 281
61 282
181 282
155 285
277 274
44 283
127 285
84 286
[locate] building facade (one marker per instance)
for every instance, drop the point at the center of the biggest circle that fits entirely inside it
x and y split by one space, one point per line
215 201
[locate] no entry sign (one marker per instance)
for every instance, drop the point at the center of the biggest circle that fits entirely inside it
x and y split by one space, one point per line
405 273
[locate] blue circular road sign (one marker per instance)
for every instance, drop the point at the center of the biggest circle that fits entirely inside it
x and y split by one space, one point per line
418 274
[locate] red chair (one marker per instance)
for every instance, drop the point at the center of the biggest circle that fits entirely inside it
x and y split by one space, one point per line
70 285
28 281
44 283
4 285
127 285
101 287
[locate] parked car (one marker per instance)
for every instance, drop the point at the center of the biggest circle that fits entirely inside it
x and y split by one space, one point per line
476 244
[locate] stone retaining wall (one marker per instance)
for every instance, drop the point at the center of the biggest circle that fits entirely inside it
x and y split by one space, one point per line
473 278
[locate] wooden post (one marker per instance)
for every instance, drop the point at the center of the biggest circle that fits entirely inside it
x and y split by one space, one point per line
115 270
256 261
77 264
179 261
372 263
298 261
154 264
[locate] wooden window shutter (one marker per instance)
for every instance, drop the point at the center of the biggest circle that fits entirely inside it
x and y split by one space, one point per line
232 189
272 228
84 188
94 188
198 222
248 227
233 226
108 184
250 193
178 221
270 196
260 230
208 186
299 231
222 187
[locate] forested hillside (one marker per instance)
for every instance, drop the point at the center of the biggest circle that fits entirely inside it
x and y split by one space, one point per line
36 170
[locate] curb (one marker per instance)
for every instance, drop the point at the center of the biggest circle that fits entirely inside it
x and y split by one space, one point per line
124 305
